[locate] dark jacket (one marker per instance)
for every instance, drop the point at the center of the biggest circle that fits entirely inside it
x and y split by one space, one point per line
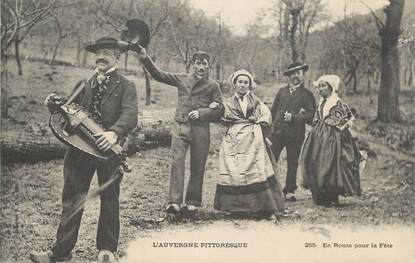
193 94
119 105
301 104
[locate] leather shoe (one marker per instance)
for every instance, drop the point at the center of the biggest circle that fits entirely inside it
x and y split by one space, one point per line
42 257
106 256
173 208
290 197
48 257
191 208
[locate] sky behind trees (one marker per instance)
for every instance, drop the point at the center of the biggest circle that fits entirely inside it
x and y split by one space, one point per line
238 13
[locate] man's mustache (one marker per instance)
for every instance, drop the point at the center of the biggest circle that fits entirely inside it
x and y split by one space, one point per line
295 79
101 60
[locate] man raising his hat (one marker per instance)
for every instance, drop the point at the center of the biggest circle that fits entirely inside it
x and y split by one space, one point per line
196 91
111 100
293 107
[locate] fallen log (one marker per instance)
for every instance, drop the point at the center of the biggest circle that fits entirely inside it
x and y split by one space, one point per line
28 146
21 147
155 126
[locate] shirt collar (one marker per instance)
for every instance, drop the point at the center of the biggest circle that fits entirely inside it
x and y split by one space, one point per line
239 96
107 72
292 87
197 78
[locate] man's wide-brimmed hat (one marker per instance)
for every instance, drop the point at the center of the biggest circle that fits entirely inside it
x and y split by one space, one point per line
294 67
136 28
104 42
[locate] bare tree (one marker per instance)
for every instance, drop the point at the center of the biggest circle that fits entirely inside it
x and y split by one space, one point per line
190 30
155 24
155 13
302 16
389 31
17 19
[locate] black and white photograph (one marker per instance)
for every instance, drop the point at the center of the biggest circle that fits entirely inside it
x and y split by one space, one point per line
214 131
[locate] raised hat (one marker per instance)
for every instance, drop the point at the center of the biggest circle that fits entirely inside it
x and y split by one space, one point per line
134 28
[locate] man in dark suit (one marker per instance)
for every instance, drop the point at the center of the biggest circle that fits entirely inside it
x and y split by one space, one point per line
293 107
112 102
196 91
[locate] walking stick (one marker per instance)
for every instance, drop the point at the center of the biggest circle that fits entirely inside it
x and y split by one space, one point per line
268 144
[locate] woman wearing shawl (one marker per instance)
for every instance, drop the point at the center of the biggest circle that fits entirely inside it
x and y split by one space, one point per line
246 178
329 158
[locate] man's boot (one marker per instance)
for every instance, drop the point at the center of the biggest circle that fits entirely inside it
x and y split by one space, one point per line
47 257
42 257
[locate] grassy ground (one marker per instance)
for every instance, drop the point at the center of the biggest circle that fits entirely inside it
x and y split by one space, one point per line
30 193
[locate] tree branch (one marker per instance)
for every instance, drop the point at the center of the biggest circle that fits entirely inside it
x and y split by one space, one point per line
8 42
379 22
161 21
40 16
176 43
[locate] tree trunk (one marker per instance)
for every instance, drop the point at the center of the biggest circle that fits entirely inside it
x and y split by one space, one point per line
55 51
405 72
369 87
148 86
351 73
60 37
84 58
293 41
4 86
126 61
78 51
17 55
355 83
377 77
411 76
388 96
147 78
283 20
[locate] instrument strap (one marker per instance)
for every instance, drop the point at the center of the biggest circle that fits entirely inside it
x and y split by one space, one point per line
79 87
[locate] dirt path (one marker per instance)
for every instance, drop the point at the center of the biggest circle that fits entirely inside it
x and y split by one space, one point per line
31 202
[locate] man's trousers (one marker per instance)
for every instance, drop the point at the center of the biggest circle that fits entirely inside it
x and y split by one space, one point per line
293 147
79 169
197 137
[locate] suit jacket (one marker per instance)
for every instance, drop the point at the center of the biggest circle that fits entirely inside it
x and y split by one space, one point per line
119 105
193 94
301 104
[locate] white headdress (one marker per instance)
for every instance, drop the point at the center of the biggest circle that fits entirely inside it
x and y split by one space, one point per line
331 101
243 72
332 80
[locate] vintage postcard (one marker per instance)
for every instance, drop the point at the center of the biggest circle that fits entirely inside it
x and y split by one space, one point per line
207 131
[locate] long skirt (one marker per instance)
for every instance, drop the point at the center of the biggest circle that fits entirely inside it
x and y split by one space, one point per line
329 163
263 197
247 182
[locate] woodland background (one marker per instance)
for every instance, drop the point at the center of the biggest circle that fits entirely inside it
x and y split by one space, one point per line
42 52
